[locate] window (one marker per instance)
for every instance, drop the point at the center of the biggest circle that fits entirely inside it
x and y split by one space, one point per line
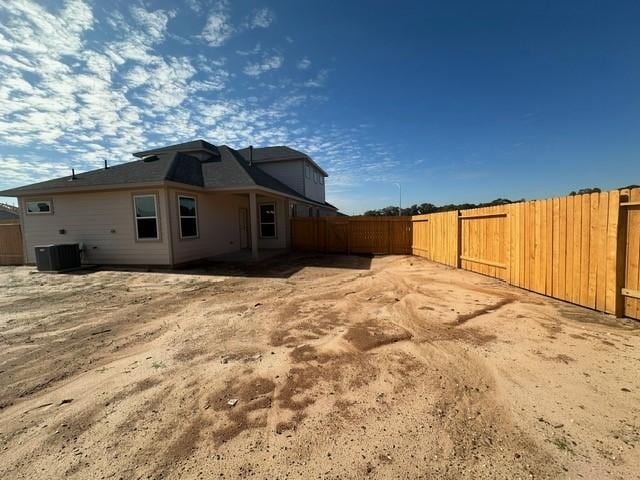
268 220
307 170
311 211
146 217
188 216
315 176
321 179
35 207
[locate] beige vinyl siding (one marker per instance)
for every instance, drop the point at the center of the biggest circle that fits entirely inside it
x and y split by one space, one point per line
314 189
104 223
288 172
218 225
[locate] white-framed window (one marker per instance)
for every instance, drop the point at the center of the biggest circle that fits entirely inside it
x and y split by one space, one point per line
39 207
268 220
307 170
321 179
146 217
315 176
188 212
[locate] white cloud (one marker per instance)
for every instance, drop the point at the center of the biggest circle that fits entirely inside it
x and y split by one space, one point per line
218 30
254 51
268 63
319 80
153 23
304 63
261 18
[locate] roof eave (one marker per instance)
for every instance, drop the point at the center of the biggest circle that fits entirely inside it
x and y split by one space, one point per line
79 189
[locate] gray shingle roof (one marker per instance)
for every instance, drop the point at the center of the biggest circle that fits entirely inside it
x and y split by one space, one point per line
223 168
277 154
6 215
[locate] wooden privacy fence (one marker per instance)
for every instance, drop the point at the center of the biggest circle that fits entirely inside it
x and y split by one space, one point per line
583 249
377 235
11 244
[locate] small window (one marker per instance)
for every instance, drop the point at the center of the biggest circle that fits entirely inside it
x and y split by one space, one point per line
268 220
35 207
188 216
311 211
292 211
146 217
307 170
321 179
315 176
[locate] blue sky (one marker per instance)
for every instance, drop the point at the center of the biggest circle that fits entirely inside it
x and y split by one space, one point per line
456 101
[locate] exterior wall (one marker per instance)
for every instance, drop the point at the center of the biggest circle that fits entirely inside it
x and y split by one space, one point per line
313 189
103 222
288 172
282 223
218 225
302 210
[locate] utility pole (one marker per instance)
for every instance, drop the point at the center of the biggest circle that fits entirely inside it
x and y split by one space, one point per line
400 190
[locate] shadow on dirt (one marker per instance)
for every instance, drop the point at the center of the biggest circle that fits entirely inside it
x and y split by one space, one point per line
279 267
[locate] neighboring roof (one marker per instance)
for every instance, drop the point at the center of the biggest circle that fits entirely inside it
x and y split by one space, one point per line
277 154
195 145
6 215
224 168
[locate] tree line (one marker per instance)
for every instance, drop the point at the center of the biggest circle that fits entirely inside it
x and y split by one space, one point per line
425 208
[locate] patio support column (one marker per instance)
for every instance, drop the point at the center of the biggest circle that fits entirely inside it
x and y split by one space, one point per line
253 218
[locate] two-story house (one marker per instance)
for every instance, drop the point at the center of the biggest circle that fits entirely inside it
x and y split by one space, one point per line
175 205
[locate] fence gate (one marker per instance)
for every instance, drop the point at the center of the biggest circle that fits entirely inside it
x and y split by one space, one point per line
484 245
631 290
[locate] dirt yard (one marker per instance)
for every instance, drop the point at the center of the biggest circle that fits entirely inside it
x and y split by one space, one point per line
310 367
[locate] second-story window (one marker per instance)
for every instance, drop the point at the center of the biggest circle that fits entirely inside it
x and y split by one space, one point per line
321 179
307 170
315 176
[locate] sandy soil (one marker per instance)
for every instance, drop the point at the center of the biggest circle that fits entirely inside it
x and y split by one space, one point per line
339 367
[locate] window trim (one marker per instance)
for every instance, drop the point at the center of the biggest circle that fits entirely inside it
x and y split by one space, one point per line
307 170
315 176
180 217
158 237
274 223
32 200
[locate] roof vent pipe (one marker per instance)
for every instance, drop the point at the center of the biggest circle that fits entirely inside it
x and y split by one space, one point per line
105 164
250 154
73 174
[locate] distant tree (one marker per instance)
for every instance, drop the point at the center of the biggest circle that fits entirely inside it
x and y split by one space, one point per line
425 208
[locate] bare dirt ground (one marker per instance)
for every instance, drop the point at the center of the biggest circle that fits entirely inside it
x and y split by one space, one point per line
339 367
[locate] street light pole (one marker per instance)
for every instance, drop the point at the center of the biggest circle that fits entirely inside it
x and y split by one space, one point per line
400 190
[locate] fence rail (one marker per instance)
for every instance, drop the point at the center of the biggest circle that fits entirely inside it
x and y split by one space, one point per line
583 249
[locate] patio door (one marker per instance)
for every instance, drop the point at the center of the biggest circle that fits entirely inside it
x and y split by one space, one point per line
244 228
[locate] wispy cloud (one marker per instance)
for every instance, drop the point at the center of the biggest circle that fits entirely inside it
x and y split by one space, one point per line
261 18
218 30
270 62
319 80
304 63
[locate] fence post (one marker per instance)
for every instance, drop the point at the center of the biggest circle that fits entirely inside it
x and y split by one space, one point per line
621 254
458 240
